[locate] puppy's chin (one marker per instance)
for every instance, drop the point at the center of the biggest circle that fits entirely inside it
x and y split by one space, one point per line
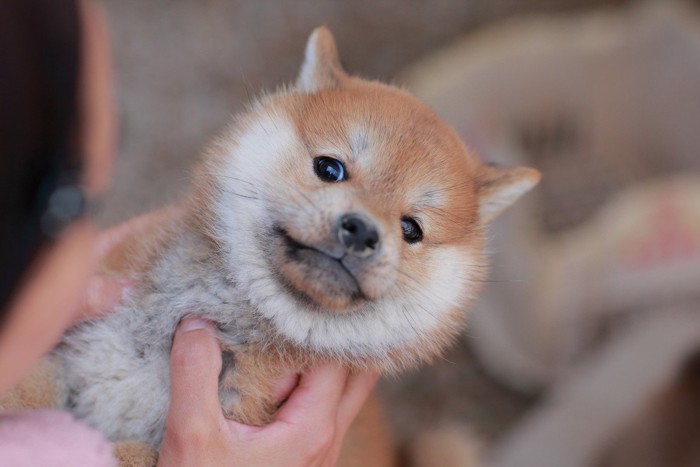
316 279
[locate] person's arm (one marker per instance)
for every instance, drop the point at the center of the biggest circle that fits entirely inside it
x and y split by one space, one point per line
307 431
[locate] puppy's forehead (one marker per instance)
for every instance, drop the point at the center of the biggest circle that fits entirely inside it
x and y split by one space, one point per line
394 142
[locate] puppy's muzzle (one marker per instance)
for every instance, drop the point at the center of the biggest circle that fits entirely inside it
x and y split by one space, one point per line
358 234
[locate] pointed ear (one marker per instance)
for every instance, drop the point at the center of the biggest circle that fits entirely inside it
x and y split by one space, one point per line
321 68
499 187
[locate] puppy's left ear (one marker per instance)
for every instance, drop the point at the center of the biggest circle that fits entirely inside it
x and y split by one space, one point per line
499 187
321 68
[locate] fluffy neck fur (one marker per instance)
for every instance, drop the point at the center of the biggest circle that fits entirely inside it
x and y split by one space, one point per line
184 275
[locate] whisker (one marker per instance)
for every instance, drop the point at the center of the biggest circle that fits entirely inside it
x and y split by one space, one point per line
305 196
425 310
406 314
229 177
240 195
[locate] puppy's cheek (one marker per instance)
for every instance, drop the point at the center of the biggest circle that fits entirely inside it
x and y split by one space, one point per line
454 275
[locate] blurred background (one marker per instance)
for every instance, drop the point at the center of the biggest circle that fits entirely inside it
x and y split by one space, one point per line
583 349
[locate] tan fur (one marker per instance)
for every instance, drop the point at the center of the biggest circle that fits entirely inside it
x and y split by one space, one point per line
134 454
253 382
37 391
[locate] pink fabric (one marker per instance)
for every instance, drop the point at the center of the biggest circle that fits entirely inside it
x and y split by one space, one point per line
49 438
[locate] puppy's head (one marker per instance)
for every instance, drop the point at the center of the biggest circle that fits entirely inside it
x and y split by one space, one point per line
352 217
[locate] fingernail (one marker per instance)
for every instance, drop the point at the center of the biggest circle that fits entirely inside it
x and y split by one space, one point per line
106 291
192 324
93 294
128 287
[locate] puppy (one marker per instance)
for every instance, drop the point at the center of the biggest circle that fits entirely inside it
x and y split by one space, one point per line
338 219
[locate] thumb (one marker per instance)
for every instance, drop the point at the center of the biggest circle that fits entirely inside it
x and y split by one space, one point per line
195 364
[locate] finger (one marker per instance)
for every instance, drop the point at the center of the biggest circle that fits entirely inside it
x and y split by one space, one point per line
113 236
357 389
195 364
284 387
103 294
315 399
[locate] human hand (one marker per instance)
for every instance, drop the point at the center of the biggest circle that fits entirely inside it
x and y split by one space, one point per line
307 431
104 292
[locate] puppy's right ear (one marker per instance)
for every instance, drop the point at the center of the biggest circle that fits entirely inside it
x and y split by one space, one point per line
499 187
321 68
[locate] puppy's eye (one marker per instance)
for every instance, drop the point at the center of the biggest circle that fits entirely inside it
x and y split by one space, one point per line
329 169
412 232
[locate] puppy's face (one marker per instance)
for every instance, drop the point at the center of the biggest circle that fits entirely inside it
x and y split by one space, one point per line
352 217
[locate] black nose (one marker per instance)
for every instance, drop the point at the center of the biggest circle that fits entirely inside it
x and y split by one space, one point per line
358 234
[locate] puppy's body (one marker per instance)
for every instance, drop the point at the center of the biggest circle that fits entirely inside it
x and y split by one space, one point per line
339 220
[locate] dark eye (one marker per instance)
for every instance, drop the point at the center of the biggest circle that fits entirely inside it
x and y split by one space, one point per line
329 169
412 232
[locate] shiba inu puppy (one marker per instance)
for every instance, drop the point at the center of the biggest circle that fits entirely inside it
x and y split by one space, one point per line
338 219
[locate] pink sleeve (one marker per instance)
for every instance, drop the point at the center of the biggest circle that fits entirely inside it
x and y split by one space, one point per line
50 438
